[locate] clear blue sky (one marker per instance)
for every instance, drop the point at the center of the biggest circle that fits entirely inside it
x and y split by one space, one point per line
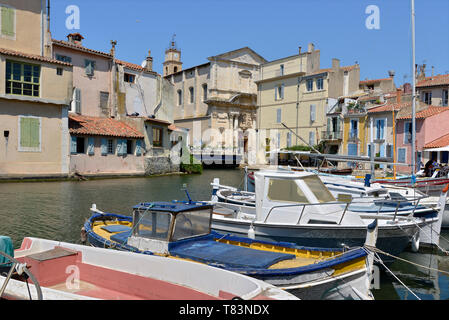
274 29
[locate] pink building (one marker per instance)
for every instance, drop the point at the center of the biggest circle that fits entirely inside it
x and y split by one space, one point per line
431 124
92 76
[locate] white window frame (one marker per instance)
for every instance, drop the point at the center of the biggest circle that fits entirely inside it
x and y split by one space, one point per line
350 128
307 85
278 115
27 149
321 82
405 141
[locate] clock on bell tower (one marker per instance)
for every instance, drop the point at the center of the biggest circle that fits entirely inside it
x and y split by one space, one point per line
172 63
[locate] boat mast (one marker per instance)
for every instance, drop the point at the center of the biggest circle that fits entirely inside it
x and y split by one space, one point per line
413 94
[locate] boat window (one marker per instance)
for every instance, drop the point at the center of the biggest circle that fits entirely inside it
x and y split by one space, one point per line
318 188
153 224
191 223
285 190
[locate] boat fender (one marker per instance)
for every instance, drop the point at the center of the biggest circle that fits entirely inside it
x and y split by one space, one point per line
415 242
251 232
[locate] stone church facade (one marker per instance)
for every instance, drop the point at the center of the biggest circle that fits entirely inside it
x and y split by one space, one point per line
216 101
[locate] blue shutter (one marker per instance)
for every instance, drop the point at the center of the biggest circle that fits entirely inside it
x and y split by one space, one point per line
401 155
104 147
73 145
138 150
90 146
119 147
352 149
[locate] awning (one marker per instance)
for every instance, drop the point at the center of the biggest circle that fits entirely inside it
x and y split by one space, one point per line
446 148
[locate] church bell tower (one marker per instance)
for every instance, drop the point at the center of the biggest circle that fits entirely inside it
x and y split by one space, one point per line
172 63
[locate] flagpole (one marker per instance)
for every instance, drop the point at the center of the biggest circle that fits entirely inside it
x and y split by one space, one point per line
413 94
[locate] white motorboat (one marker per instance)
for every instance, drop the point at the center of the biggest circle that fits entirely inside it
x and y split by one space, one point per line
298 207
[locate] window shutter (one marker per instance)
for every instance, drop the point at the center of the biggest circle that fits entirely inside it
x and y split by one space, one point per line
104 147
401 155
119 147
275 93
90 146
8 17
312 113
138 150
282 91
76 103
289 139
25 138
312 138
328 128
279 115
34 133
73 145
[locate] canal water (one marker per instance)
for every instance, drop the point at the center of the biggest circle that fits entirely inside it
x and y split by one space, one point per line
58 210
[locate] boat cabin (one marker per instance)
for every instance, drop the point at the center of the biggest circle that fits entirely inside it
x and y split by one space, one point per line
297 197
157 224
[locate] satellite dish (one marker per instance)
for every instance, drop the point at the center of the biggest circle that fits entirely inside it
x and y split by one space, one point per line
144 64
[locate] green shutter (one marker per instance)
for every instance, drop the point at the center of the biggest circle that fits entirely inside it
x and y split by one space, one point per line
8 21
138 146
25 132
73 145
29 133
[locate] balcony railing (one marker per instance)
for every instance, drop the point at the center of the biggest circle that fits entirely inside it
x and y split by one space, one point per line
331 135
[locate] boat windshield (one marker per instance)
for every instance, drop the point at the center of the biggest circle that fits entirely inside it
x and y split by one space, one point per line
285 190
288 190
152 224
318 188
191 224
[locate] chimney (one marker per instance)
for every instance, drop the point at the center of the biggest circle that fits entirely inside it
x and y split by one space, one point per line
75 38
335 64
391 73
299 50
113 43
311 47
149 60
398 95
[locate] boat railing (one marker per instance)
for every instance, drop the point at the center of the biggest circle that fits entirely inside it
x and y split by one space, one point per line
398 203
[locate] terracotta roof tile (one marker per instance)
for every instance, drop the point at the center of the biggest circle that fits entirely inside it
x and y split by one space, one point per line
95 126
80 48
390 107
134 66
427 112
442 141
13 53
374 81
438 80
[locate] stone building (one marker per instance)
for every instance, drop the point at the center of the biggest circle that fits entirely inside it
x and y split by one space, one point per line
216 101
35 93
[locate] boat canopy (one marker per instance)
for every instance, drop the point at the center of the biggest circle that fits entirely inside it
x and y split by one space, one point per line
171 221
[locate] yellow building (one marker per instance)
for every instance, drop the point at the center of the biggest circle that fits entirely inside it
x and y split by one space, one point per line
35 91
295 91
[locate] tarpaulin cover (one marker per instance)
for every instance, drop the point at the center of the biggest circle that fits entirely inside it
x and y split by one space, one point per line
121 237
209 251
115 228
6 247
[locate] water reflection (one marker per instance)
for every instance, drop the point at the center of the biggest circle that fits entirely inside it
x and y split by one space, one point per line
57 211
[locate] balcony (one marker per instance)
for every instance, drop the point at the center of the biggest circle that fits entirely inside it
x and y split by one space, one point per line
329 135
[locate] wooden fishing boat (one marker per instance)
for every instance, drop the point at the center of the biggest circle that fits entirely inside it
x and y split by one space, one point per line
181 230
54 270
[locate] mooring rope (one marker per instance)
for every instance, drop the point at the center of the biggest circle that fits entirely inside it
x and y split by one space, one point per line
378 259
376 250
430 237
